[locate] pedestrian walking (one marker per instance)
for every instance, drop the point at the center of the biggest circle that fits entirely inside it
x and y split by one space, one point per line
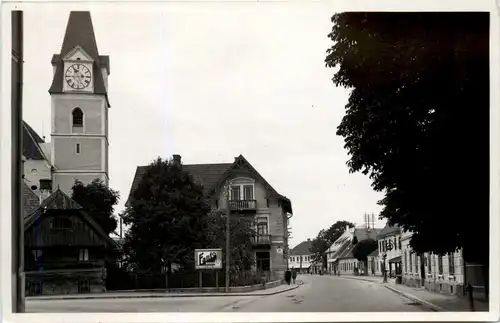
294 275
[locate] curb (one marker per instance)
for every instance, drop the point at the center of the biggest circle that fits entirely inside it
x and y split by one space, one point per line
362 279
421 302
164 295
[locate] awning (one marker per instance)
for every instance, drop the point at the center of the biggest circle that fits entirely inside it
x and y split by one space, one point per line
395 260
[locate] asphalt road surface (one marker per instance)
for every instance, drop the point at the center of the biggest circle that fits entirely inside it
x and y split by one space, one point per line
317 294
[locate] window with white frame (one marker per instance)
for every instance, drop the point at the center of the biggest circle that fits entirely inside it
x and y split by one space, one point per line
242 189
235 193
262 226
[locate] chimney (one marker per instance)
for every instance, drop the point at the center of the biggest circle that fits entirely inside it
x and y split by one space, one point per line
45 189
177 159
309 239
347 228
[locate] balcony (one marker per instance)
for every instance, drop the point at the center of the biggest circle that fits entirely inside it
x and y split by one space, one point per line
243 205
263 240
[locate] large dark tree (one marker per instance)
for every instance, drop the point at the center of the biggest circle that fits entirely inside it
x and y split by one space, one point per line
99 201
166 215
417 120
325 239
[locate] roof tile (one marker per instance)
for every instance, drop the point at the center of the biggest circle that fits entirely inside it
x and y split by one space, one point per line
303 248
31 143
388 230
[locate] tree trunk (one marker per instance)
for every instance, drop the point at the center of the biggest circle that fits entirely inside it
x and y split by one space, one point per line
169 273
422 269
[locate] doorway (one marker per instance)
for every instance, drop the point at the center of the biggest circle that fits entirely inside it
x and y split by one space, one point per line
263 259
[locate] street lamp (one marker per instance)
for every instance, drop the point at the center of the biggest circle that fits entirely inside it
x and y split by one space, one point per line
384 256
228 213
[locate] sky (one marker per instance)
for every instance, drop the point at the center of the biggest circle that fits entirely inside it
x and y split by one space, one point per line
210 81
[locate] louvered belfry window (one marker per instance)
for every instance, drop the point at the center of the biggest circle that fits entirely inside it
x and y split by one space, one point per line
77 117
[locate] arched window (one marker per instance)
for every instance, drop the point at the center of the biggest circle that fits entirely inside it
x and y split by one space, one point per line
77 117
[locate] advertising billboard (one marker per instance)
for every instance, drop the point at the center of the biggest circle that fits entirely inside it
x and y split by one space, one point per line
208 258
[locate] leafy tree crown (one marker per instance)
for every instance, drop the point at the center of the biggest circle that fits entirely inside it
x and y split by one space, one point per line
99 201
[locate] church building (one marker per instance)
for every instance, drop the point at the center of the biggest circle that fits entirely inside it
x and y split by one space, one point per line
79 115
65 248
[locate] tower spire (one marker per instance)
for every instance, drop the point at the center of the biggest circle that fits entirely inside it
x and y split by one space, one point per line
80 32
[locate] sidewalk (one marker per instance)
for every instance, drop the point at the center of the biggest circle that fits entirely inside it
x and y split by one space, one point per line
438 302
115 295
435 301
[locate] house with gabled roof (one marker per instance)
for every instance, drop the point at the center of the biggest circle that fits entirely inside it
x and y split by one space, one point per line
65 248
250 195
339 255
301 258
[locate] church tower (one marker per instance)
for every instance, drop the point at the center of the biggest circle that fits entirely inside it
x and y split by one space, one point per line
79 102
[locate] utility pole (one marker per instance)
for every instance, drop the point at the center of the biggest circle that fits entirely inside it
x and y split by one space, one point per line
228 214
17 227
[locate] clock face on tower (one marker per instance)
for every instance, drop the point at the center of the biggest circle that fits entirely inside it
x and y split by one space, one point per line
78 76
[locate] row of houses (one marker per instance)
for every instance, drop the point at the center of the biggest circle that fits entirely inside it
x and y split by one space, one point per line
437 273
340 259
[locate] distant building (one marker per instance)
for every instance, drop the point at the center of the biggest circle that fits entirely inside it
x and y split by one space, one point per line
374 264
250 196
301 257
389 244
340 259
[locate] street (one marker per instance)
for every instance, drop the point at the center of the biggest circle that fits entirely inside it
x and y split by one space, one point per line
317 294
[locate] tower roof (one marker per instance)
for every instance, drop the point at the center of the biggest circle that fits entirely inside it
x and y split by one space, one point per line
80 32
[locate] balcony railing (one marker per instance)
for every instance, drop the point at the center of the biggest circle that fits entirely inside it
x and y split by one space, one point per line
261 239
243 204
